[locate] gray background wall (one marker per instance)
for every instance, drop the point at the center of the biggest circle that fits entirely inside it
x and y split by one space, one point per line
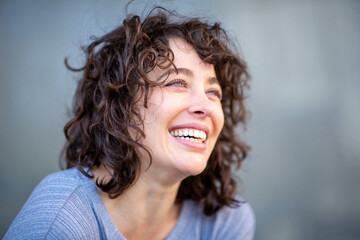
302 177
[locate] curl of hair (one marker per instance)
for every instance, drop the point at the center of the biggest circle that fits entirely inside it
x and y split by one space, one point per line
104 105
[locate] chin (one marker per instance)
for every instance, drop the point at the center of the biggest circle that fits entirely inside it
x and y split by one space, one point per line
193 169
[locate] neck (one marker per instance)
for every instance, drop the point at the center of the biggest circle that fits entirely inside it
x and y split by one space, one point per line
145 209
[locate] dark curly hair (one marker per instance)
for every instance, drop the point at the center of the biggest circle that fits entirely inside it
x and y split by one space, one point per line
104 104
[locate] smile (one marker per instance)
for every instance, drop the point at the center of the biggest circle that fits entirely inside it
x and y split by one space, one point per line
193 135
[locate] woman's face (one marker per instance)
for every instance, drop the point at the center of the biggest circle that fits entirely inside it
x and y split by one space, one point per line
184 116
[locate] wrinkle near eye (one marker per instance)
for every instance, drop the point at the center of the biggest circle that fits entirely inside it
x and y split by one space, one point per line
215 93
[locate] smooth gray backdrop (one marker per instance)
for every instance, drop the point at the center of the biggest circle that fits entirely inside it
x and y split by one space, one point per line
302 177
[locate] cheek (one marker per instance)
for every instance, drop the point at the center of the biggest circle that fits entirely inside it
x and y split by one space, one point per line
158 112
162 105
219 120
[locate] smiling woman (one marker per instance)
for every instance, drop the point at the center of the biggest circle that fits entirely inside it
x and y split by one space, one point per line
152 143
188 100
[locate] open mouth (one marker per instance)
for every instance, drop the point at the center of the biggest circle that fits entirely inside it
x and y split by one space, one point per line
192 135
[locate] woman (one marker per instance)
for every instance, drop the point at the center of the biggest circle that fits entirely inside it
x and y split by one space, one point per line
152 142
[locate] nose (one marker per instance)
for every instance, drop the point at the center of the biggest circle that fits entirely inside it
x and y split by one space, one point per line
200 105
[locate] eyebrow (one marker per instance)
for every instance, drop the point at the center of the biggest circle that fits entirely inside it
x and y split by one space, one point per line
187 72
184 71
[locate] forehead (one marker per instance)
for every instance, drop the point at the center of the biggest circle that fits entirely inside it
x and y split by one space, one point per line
186 56
187 62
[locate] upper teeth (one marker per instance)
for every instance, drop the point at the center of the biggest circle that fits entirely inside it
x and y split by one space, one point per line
192 133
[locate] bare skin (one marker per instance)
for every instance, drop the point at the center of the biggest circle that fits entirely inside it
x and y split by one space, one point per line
147 210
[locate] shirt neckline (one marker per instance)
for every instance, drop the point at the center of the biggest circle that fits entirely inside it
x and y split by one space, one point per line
109 225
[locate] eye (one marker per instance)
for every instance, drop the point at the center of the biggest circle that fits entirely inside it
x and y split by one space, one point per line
216 93
177 83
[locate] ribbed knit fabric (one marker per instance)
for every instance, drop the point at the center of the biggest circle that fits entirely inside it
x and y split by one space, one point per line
67 205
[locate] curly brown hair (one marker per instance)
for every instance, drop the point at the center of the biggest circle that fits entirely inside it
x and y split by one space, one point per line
104 104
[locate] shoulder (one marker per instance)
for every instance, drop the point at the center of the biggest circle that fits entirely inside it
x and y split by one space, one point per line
58 206
236 222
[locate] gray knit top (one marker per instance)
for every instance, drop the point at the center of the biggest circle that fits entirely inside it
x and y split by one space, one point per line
67 205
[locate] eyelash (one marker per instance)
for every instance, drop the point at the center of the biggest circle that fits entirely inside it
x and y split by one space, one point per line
183 83
216 93
175 82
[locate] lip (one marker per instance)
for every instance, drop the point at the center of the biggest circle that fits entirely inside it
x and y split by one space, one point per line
189 144
193 145
196 126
